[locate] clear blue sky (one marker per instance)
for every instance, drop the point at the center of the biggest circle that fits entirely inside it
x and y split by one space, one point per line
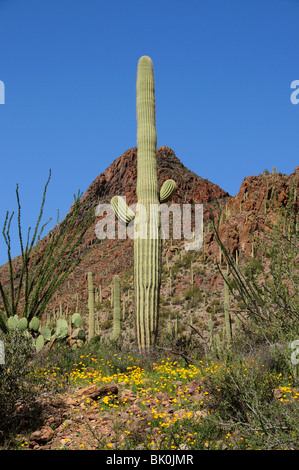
223 71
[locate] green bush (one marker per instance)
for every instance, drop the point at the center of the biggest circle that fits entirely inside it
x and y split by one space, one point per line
17 394
193 293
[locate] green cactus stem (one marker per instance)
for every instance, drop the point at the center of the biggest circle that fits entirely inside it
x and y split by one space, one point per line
77 320
39 344
147 252
124 309
81 335
169 325
176 327
46 333
210 330
34 324
116 312
147 220
23 324
210 323
61 328
12 323
167 190
91 318
228 324
121 210
192 275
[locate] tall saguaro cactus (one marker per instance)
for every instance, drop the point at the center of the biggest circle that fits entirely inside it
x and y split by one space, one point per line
147 250
147 223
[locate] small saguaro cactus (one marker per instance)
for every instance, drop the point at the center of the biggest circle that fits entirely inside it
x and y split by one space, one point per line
116 312
90 307
147 219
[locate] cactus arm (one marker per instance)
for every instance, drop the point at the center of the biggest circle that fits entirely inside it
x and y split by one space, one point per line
121 210
167 190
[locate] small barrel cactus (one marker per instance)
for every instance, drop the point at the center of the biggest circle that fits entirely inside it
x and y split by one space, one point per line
81 335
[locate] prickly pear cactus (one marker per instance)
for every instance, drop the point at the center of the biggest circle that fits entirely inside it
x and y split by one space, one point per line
46 333
77 320
34 324
22 324
40 342
12 323
61 328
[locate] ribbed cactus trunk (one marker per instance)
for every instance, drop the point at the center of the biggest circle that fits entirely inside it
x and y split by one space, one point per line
116 306
147 219
91 320
147 250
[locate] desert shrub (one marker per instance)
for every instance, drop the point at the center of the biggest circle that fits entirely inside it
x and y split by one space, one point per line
176 299
106 324
266 287
17 394
244 397
193 293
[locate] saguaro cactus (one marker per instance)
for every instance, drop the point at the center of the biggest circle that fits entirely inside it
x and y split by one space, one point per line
116 312
91 321
147 222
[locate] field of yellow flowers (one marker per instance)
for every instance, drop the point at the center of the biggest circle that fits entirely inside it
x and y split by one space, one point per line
168 404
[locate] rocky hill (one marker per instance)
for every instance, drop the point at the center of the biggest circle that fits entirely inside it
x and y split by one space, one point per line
257 202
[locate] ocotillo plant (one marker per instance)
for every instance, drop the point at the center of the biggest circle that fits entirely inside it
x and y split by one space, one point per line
147 223
228 324
116 306
91 322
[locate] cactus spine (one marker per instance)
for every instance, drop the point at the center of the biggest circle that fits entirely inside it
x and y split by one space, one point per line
116 312
91 321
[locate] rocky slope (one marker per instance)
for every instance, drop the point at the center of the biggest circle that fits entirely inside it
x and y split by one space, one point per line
257 202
